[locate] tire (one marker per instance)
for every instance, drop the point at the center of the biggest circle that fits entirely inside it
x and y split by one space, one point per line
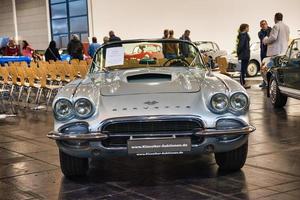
232 160
252 69
278 100
73 166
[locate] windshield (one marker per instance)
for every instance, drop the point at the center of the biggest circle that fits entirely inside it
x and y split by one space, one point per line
141 54
206 46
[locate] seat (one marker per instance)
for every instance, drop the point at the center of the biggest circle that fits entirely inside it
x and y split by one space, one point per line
222 64
5 82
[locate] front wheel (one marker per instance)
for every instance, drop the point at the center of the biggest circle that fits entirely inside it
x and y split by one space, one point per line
73 166
232 160
252 69
278 100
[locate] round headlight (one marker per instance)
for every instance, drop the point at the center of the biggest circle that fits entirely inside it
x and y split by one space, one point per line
239 102
83 108
219 103
63 109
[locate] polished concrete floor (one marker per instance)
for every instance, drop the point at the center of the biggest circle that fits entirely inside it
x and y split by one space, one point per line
29 164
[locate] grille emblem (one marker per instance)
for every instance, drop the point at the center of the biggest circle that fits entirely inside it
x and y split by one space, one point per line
150 103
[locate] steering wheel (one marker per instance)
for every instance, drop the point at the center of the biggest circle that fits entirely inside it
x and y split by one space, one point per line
176 62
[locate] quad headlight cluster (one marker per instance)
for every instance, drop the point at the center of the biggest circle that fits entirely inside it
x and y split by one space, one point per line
237 103
65 109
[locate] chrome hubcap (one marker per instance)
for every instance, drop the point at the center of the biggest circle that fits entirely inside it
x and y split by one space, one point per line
252 69
273 91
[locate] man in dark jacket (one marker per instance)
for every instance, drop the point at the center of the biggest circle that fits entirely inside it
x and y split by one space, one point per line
183 47
243 52
264 32
75 48
113 37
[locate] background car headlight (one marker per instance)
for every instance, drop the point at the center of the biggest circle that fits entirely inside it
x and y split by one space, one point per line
83 108
63 109
239 102
219 103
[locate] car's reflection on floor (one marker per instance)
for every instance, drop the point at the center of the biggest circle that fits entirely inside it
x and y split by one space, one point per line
29 164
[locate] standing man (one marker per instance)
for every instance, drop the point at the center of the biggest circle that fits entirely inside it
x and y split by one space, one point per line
166 36
264 32
93 47
113 37
183 47
279 37
171 47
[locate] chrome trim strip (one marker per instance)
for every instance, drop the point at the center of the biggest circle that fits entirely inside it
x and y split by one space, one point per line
214 132
290 92
200 132
226 85
89 136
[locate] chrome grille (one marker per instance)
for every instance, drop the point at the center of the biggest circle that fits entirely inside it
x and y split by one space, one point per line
165 126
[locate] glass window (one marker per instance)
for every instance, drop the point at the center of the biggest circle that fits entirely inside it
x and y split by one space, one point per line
59 11
77 8
78 24
84 37
295 53
57 1
61 40
59 26
68 17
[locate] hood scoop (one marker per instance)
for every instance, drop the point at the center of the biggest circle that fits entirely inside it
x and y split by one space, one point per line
149 78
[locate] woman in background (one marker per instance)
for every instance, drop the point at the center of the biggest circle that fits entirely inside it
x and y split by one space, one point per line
52 52
27 50
243 52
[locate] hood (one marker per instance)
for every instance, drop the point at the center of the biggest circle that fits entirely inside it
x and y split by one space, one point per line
149 81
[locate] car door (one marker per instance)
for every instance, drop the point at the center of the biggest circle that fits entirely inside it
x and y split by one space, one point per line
290 71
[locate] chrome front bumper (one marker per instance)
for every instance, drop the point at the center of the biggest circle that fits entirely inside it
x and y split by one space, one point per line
96 136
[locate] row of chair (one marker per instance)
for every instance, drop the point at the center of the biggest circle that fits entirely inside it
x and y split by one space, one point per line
41 77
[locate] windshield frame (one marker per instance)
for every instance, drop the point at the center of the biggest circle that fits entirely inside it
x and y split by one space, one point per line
132 41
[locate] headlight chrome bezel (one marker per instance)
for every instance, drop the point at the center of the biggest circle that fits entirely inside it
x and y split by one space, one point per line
213 109
230 107
66 117
92 109
73 113
233 108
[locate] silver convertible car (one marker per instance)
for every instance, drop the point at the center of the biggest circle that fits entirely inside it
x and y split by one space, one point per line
150 106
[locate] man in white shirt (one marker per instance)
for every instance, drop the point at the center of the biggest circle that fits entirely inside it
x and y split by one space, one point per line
279 37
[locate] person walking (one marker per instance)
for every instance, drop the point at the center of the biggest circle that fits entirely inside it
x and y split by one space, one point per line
75 48
279 37
93 47
184 47
52 52
243 52
264 32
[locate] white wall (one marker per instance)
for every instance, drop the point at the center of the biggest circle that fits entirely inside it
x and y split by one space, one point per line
216 20
6 19
32 22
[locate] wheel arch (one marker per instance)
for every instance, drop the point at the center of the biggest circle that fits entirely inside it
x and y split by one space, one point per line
256 62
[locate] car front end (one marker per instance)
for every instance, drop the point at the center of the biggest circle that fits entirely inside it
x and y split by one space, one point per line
152 111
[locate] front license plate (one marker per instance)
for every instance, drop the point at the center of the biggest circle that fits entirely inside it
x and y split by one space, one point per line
149 147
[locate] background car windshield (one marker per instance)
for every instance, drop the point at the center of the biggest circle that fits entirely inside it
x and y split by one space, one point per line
205 46
125 55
